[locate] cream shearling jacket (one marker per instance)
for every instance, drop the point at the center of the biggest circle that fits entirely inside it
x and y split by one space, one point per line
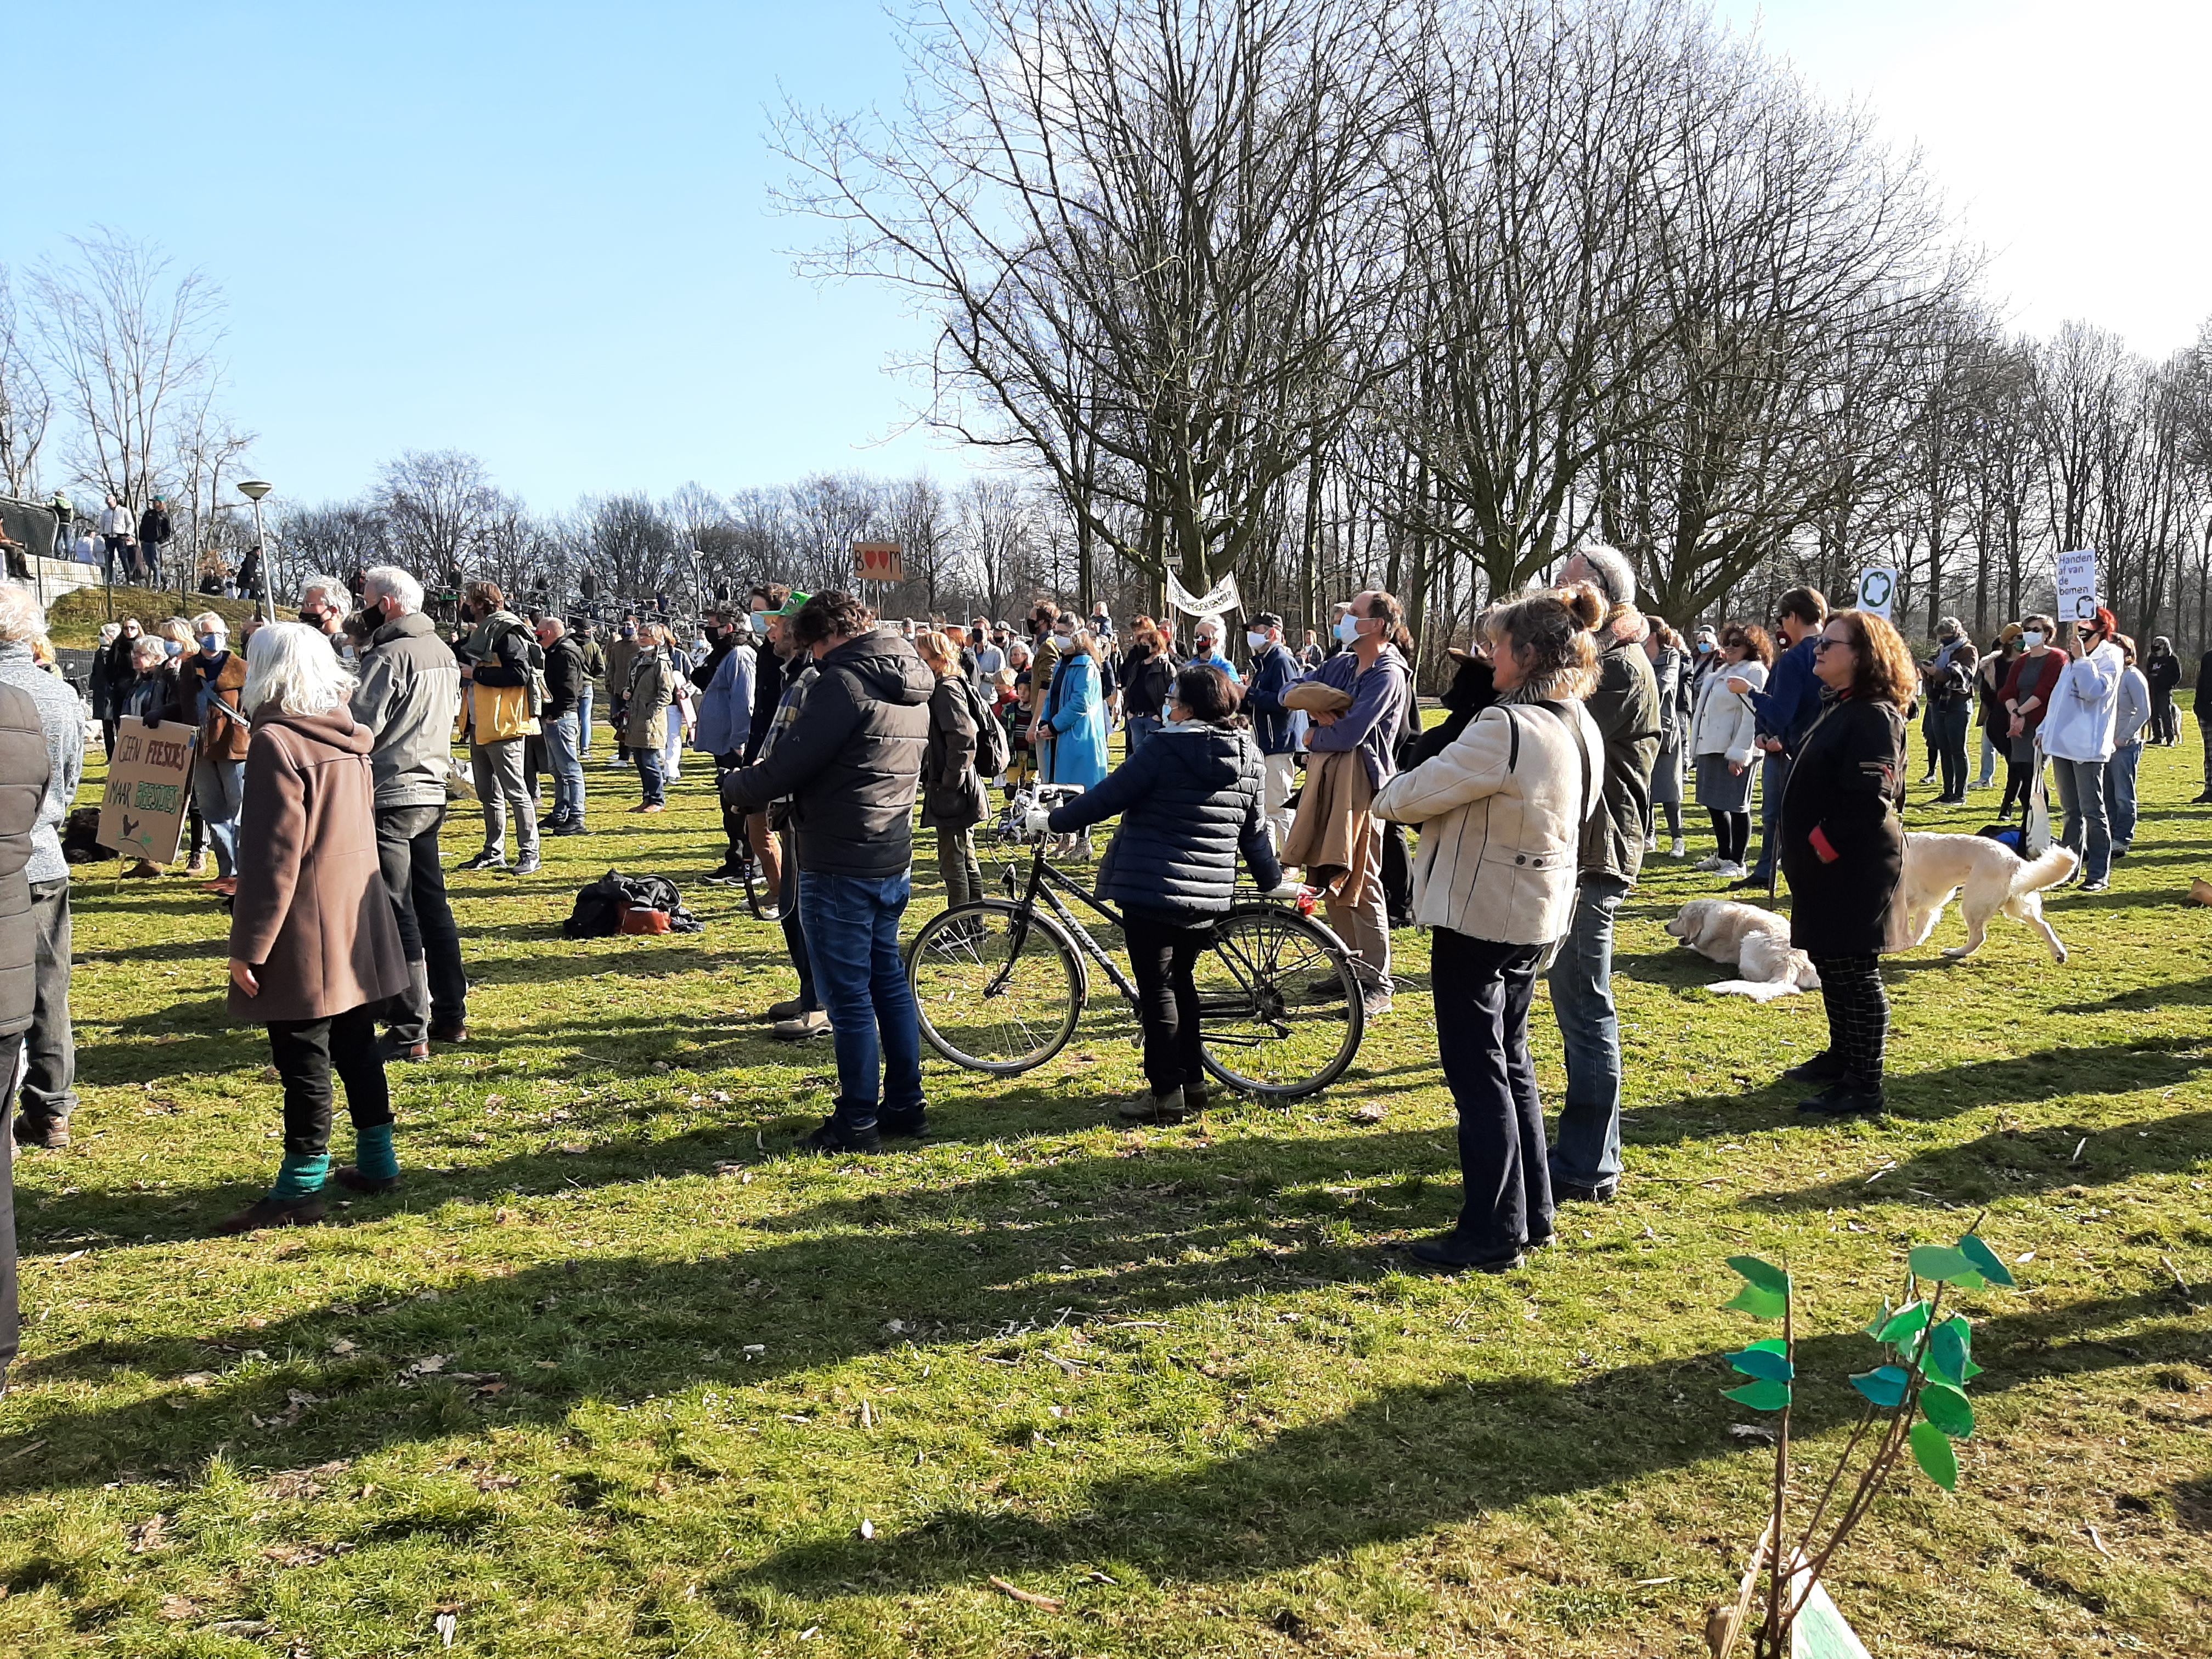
1499 829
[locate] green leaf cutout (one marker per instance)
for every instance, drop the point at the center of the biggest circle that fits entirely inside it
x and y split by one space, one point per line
1946 1351
1763 1362
1759 1303
1940 1261
1884 1386
1873 1326
1931 1449
1907 1322
1984 1259
1765 1274
1946 1408
1761 1397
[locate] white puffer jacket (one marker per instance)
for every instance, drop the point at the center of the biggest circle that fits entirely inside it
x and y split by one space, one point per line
1501 811
1725 724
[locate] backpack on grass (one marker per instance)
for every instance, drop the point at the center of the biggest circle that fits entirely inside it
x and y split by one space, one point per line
606 907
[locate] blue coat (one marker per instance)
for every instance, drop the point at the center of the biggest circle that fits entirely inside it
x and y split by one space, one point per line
1189 800
1075 724
726 706
1274 671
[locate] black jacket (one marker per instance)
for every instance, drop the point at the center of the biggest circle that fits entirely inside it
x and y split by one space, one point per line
2162 674
25 765
1146 683
565 677
772 678
1474 688
1189 802
851 761
1843 843
154 526
951 794
1625 706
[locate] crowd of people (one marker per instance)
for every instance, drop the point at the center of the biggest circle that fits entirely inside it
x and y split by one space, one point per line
323 772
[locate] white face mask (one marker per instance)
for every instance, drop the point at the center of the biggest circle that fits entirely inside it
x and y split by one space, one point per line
2031 639
1348 629
1255 639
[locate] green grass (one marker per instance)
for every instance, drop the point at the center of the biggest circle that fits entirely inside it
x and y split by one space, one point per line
73 620
618 1374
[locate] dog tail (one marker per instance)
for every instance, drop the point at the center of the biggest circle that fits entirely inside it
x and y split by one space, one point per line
2054 866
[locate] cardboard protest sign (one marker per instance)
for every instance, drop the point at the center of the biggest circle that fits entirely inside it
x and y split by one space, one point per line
149 785
880 562
2078 585
1878 591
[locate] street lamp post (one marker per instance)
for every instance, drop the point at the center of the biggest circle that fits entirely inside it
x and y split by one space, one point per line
254 489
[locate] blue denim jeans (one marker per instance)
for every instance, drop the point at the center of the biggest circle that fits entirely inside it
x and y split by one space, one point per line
1586 1152
1140 726
2082 798
219 790
2120 794
649 775
565 761
852 926
584 720
1773 774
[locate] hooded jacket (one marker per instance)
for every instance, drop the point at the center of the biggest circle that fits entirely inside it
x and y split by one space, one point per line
409 695
851 761
1190 802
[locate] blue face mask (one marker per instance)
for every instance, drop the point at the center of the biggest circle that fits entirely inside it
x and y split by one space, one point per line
759 622
174 648
211 643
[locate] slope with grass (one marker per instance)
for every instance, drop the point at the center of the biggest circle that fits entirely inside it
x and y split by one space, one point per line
618 1374
73 620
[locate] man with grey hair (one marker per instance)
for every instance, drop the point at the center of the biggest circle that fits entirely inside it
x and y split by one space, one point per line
409 696
48 1091
323 607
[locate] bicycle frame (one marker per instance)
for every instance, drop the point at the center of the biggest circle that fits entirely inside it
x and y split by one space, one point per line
1043 879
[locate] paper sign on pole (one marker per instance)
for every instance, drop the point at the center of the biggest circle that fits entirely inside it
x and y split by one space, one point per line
149 787
880 562
1878 591
2078 585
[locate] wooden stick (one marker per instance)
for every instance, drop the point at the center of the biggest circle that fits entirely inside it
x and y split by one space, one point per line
1028 1598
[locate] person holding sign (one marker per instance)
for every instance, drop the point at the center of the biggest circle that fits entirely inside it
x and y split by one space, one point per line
314 948
2078 736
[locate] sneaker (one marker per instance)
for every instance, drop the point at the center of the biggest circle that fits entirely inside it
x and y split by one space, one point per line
573 827
815 1023
1448 1255
2120 850
1842 1100
1375 1003
2100 885
729 874
1823 1068
1710 861
834 1137
275 1212
904 1126
1681 848
486 859
789 1008
1730 870
1573 1192
1151 1107
198 864
350 1177
527 865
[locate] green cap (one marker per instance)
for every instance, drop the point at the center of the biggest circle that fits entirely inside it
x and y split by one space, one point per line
793 604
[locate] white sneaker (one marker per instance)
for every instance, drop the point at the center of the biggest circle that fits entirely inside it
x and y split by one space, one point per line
1730 872
1681 848
1712 862
1651 842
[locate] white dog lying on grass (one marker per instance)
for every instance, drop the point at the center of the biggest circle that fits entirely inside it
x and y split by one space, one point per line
1753 941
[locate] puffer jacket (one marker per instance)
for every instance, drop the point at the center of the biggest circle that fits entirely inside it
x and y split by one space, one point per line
1189 800
1502 811
409 695
24 769
851 761
951 794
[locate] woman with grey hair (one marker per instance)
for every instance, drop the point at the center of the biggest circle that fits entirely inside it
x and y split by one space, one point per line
314 948
208 685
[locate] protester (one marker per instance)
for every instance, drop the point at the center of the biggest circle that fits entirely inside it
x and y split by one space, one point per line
116 524
1843 850
145 695
26 770
1948 678
154 532
46 1087
2161 671
2078 735
314 949
990 654
208 686
648 705
1191 801
1206 648
408 699
1274 671
2131 719
953 799
559 723
1724 744
1995 720
801 1018
851 762
682 664
2026 696
111 667
1148 674
1102 626
323 605
725 721
779 662
1502 811
1020 714
1310 655
500 659
1663 650
1585 1159
1070 732
1336 838
622 660
1786 709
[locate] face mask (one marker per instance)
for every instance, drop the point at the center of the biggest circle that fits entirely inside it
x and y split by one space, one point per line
759 622
210 643
629 633
1062 635
1348 629
2030 639
174 648
1703 646
1947 639
1256 639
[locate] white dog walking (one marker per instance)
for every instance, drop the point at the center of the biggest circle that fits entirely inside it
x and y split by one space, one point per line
1991 878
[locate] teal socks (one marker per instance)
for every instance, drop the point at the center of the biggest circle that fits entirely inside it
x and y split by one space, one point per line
301 1175
373 1155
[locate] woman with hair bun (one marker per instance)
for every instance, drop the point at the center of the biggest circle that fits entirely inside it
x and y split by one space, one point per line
1842 849
1501 811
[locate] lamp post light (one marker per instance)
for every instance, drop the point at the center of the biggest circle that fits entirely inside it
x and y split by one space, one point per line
254 489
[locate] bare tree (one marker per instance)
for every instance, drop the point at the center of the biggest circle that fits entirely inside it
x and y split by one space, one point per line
437 508
628 544
26 408
1001 559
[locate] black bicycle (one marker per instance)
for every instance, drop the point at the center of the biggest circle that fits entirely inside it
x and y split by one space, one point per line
1002 982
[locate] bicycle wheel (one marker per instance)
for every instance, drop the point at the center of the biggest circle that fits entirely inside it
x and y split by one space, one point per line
999 988
1264 1030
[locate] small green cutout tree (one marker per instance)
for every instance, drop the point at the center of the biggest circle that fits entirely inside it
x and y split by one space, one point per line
1915 1401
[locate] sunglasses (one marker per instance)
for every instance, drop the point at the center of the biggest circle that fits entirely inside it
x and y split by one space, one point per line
1824 642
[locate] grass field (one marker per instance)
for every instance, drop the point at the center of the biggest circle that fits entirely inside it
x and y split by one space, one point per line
617 1374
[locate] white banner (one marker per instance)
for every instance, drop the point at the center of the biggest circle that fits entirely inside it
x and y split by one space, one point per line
1878 591
2078 585
1217 601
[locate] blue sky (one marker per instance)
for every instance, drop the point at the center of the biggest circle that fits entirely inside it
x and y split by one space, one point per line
541 232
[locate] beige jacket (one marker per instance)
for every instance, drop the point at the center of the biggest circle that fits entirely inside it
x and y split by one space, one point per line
1500 823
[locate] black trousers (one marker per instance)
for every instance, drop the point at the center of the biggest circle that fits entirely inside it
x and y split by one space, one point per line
1731 835
733 818
1482 990
48 1088
305 1052
1952 720
794 931
407 853
1163 956
1858 1016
